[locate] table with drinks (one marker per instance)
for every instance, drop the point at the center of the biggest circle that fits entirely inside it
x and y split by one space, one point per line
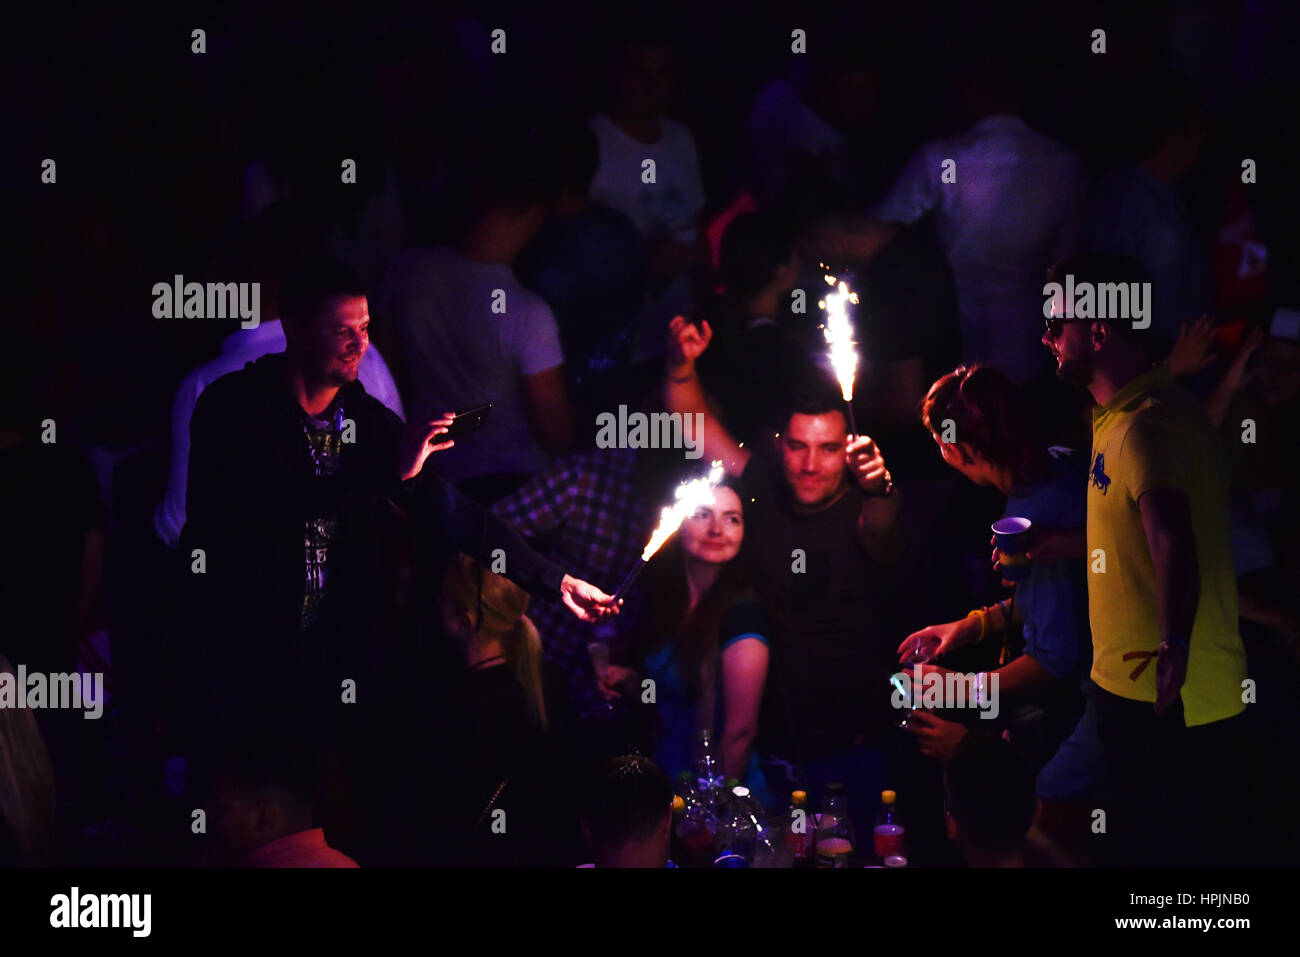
719 823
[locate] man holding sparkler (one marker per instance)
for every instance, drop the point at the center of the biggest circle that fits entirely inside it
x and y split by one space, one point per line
826 519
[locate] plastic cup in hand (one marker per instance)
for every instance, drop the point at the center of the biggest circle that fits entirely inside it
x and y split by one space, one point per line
1012 537
920 652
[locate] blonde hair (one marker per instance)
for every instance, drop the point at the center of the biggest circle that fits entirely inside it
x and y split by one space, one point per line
467 587
26 781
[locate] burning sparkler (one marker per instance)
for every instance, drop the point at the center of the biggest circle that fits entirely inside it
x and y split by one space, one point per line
839 336
689 497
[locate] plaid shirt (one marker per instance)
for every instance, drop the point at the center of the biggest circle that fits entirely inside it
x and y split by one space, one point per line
590 516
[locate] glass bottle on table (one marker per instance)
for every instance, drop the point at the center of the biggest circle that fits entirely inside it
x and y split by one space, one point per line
737 831
834 843
798 828
887 835
708 772
696 828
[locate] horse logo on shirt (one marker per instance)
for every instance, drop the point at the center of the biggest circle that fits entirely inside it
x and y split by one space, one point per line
1099 476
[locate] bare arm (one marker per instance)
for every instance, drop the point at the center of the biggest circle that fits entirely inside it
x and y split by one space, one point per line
744 672
684 393
1023 674
1167 519
549 411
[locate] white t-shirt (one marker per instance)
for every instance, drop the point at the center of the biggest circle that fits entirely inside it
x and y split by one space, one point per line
461 354
239 349
1014 207
664 209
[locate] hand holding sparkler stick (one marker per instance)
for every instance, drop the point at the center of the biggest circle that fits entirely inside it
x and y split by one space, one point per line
844 361
688 497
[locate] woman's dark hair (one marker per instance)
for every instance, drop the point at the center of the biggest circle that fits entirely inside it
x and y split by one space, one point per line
987 414
666 620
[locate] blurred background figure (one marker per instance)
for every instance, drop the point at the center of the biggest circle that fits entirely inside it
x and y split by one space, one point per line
649 169
1010 206
470 332
588 263
1136 209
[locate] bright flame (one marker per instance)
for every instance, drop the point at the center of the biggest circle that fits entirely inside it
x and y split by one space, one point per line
839 335
689 497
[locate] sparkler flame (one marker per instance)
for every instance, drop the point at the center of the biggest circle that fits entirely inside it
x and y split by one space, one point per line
689 496
839 334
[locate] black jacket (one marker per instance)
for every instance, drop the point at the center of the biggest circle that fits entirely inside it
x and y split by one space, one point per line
252 487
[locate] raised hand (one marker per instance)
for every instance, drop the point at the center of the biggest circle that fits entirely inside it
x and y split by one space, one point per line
1191 350
686 341
867 465
418 443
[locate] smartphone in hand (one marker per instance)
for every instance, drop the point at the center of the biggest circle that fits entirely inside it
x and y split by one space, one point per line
466 422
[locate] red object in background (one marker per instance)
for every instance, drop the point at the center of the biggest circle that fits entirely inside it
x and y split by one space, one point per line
1229 334
743 203
1239 260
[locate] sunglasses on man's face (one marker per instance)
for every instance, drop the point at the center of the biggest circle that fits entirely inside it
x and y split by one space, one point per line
1056 325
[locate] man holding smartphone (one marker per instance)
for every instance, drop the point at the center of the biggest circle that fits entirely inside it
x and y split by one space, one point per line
293 467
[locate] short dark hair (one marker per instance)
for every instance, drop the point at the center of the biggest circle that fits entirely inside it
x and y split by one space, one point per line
989 791
311 285
753 247
511 166
625 799
814 393
571 146
270 764
626 29
986 413
1101 267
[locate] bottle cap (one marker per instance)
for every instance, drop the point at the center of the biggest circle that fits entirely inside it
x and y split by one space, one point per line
888 797
732 782
740 792
678 804
798 797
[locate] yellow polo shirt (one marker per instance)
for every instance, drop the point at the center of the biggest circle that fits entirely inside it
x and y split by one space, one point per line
1153 434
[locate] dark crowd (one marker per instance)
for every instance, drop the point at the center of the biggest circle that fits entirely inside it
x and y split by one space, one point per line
504 275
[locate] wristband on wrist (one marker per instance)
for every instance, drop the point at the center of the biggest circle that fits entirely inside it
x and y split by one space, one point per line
1005 607
982 616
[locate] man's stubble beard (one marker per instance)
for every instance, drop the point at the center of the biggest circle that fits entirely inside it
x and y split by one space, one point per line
1075 372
